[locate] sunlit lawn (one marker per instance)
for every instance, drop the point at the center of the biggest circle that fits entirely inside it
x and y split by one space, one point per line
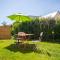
45 51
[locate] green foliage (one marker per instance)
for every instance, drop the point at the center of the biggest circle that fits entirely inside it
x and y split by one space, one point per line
36 26
32 26
57 29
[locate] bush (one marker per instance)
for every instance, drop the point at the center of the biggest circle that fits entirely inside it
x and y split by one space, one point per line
36 26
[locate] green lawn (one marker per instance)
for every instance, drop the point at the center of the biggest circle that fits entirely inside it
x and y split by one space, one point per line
45 51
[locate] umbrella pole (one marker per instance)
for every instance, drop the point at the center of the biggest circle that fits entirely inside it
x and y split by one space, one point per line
19 20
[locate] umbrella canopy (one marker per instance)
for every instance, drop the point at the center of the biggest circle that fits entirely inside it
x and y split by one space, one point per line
19 17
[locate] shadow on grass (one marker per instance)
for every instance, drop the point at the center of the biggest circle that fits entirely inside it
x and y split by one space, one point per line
24 48
42 51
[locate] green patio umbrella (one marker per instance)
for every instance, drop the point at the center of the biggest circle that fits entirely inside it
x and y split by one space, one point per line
19 17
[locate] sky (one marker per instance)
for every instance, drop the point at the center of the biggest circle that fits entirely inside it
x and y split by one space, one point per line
27 7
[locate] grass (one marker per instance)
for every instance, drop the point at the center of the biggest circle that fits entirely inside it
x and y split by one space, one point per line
45 51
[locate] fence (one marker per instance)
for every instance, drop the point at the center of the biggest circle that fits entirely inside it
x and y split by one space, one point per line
5 32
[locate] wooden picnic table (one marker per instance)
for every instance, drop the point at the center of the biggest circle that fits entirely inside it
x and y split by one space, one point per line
23 36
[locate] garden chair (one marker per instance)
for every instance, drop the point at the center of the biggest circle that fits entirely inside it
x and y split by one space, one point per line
41 35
